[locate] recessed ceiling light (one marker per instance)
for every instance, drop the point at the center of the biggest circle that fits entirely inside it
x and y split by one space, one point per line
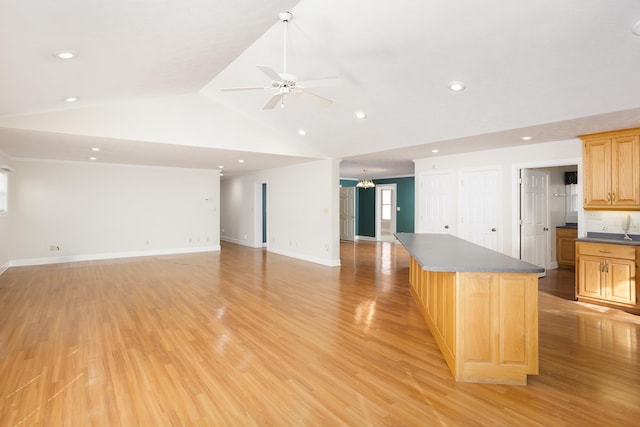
71 99
636 29
302 132
92 158
221 166
95 149
526 138
361 114
457 86
66 54
435 150
240 161
221 174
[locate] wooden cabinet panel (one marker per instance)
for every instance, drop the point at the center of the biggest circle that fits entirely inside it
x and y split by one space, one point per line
611 164
566 247
625 161
607 273
620 286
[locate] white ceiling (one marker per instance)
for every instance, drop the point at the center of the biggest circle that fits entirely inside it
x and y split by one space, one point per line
149 72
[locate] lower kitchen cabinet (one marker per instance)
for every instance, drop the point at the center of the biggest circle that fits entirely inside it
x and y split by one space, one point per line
606 273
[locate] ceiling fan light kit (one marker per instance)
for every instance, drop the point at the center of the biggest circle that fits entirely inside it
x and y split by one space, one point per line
284 83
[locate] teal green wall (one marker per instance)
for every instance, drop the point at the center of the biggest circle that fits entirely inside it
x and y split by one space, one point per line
366 205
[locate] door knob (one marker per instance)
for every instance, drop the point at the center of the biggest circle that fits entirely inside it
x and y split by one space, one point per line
446 226
493 229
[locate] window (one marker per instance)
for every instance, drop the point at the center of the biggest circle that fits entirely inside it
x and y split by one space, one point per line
386 204
3 191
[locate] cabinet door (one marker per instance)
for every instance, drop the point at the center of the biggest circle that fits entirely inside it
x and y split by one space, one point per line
625 170
596 160
590 277
566 247
620 280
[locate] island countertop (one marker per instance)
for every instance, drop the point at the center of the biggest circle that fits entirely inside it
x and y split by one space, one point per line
447 253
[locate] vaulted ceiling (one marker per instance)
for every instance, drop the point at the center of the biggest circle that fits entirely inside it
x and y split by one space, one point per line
148 75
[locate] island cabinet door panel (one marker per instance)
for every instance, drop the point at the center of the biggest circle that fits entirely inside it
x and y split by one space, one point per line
478 303
518 320
499 317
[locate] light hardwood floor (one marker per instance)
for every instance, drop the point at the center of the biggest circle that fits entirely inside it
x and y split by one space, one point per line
246 337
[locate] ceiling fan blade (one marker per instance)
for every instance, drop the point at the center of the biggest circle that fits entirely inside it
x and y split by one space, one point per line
275 99
270 72
322 81
316 97
229 89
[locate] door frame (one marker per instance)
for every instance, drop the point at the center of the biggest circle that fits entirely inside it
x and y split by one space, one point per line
515 196
394 204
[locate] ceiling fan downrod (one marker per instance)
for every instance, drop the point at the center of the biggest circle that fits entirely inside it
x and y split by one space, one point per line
285 17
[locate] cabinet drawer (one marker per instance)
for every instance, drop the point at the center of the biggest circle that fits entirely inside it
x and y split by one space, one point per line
604 250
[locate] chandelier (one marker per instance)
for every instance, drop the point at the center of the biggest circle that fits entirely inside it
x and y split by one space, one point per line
364 182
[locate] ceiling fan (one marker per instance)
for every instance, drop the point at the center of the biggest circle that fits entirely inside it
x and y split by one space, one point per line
284 83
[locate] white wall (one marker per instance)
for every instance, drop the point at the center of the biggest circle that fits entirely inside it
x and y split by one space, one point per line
4 222
508 161
303 211
96 211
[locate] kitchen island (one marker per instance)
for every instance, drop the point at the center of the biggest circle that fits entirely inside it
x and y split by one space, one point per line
480 305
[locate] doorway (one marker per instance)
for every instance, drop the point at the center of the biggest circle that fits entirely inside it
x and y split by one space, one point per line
260 210
347 213
386 212
535 243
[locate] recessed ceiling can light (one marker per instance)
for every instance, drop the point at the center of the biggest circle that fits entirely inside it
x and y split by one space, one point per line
302 132
361 114
92 158
526 138
636 29
71 99
221 166
457 86
435 150
240 161
95 149
66 54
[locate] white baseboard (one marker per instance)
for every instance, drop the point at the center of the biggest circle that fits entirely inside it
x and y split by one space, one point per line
242 242
111 255
368 238
328 263
4 267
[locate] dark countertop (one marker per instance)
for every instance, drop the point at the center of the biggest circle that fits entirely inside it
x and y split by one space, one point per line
610 238
444 252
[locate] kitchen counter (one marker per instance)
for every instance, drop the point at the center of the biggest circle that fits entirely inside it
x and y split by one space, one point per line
481 307
444 252
610 238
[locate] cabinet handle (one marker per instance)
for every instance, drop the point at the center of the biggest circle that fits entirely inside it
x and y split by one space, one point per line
604 251
614 197
608 197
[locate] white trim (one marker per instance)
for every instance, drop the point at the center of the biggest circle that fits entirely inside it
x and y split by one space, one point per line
328 263
4 267
242 242
100 163
369 238
104 256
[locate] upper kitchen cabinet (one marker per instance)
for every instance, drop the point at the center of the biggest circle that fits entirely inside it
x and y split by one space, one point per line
611 163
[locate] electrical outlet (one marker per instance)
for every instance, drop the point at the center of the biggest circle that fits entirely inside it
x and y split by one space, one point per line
635 227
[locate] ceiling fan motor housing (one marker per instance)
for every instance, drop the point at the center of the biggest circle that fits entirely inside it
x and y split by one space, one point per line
285 16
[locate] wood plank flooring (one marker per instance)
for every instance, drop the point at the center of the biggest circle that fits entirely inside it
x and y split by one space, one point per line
245 337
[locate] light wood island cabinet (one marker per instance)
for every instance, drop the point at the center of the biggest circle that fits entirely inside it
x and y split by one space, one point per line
606 273
611 165
481 307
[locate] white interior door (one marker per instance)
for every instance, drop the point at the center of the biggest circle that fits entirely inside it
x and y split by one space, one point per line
436 213
347 213
480 207
534 229
386 212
